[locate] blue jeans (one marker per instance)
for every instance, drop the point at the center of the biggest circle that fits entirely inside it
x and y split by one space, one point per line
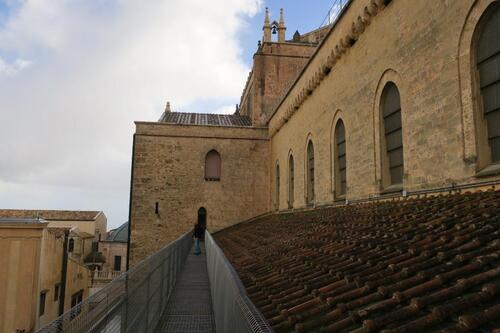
197 249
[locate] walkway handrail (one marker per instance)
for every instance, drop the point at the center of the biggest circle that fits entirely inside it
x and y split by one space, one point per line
233 310
334 12
132 302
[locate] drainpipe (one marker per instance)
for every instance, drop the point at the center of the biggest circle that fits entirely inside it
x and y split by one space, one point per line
64 272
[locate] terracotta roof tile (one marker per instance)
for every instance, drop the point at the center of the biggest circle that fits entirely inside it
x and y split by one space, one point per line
409 265
188 118
58 232
64 215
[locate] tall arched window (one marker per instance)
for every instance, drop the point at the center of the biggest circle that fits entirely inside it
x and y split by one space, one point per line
340 160
393 165
71 245
291 180
488 65
310 173
277 204
212 166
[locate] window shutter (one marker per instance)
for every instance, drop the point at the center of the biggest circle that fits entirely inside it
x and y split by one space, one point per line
341 159
291 179
391 113
488 64
310 172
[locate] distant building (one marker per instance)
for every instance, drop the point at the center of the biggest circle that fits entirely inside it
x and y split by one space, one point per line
39 280
63 252
90 222
114 253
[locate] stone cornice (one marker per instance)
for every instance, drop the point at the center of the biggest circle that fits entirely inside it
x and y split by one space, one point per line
303 87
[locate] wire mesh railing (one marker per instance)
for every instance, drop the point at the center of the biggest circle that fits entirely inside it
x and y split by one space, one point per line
334 12
233 310
132 302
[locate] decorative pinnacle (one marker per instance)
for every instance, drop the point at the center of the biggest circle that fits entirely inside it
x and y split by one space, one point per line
167 108
282 18
266 19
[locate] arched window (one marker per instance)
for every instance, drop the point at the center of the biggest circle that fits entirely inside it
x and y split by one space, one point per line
212 166
340 160
291 180
277 187
310 173
393 165
71 245
488 65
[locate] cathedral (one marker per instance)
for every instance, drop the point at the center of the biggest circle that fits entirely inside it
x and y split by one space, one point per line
391 99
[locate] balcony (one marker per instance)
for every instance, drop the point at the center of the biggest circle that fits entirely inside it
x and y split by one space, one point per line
104 276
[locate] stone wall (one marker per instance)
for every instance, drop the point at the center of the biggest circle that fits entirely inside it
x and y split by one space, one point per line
418 46
52 249
111 249
424 47
168 169
20 245
77 280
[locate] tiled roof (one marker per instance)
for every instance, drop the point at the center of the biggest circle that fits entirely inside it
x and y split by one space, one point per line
427 264
63 215
58 232
187 118
20 220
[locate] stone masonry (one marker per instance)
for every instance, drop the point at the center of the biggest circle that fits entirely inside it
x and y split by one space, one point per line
296 92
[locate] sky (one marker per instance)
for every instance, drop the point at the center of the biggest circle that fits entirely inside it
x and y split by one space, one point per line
76 74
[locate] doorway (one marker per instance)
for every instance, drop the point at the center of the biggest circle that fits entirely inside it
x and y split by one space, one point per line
202 217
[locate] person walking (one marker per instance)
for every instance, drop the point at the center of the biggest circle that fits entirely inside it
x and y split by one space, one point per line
198 234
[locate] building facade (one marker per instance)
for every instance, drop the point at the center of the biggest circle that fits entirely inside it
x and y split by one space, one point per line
395 97
38 280
114 254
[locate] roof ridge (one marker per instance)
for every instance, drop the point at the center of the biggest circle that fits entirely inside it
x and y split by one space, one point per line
208 114
196 118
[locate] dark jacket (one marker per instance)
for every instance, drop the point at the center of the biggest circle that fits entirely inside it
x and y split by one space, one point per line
199 231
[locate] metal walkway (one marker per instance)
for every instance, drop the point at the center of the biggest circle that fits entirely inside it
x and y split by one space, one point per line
189 309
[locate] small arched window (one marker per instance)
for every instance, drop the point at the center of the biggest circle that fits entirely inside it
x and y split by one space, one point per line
291 180
71 245
310 173
393 136
488 65
212 166
340 160
277 187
